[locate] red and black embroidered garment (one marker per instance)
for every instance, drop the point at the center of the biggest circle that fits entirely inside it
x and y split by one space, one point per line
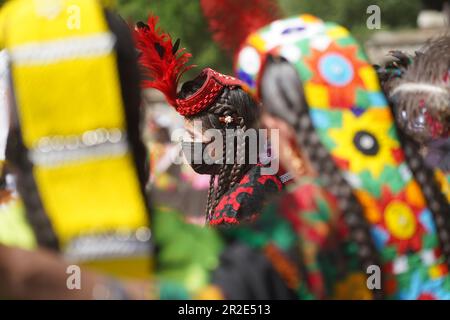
244 202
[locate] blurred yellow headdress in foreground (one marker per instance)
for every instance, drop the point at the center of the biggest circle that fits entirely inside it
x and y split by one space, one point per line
79 179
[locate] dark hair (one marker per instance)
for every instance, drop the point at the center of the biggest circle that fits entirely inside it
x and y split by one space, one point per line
430 65
281 80
233 102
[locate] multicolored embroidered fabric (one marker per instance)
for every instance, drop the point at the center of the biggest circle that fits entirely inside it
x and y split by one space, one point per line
355 124
245 201
305 218
258 260
329 256
300 236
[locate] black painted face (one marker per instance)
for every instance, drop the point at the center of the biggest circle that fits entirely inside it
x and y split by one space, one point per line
366 143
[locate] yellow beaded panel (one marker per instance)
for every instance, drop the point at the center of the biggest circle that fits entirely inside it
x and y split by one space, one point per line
68 94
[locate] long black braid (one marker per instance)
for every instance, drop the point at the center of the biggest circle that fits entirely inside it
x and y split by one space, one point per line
211 195
281 80
239 165
222 109
330 174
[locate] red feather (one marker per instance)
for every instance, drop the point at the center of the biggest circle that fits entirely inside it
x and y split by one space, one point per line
163 63
232 21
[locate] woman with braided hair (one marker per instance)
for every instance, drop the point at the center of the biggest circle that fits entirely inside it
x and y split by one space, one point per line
216 103
313 76
418 88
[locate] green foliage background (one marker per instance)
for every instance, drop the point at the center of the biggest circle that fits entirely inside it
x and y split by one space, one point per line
184 20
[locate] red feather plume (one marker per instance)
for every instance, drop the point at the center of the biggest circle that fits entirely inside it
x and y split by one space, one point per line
232 21
163 62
